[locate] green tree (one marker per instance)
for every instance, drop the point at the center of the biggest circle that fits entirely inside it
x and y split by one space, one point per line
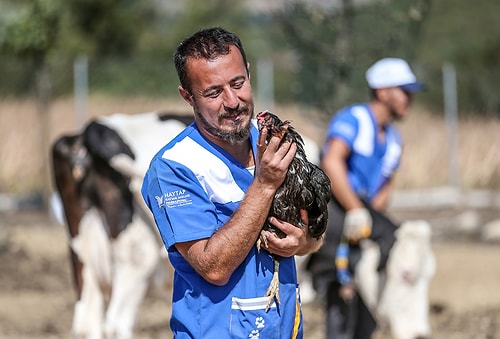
110 27
336 46
467 35
32 36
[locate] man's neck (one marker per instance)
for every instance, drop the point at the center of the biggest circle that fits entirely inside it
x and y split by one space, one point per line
242 151
381 114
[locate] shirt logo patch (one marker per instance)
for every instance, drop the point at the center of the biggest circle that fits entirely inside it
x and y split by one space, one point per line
174 199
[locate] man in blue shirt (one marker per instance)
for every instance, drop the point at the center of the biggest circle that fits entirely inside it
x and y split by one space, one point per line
210 190
361 154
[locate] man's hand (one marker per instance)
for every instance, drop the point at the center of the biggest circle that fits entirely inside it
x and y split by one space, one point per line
297 240
273 159
357 224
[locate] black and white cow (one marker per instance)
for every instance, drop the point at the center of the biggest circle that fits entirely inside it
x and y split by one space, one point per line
114 244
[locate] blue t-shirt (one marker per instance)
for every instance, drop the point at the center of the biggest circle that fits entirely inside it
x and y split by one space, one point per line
372 162
193 187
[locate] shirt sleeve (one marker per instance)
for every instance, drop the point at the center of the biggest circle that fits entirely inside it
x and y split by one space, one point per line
181 208
343 126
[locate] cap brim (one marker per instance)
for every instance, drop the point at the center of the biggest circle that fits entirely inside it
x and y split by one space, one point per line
413 87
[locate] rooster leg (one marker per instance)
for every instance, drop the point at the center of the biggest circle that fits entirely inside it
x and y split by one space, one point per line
263 236
274 287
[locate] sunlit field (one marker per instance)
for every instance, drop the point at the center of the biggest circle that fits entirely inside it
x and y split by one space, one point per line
26 137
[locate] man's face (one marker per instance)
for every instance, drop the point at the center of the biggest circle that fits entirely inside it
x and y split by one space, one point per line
398 102
221 96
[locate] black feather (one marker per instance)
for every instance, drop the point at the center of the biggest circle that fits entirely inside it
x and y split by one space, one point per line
306 186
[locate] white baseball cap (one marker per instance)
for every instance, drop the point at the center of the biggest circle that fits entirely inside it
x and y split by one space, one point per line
392 72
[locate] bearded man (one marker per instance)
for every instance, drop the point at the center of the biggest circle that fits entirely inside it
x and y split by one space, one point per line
210 190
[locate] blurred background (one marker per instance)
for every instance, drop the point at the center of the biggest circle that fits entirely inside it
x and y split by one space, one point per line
63 63
311 55
318 50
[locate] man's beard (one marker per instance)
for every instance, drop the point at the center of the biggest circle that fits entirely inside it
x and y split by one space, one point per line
236 136
396 117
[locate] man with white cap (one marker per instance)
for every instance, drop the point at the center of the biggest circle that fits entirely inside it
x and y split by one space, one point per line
361 154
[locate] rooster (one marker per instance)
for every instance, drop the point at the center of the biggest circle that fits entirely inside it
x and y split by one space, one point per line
306 187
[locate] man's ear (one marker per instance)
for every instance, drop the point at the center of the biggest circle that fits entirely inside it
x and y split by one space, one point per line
186 95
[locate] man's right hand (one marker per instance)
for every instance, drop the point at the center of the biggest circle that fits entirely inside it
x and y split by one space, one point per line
357 224
273 159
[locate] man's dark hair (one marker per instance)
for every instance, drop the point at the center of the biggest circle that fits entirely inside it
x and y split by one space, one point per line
208 44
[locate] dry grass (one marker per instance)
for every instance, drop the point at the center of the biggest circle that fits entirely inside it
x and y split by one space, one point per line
24 149
427 152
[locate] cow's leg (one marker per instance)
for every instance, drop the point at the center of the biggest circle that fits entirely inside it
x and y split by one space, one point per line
307 292
404 302
93 249
366 275
136 253
70 164
88 312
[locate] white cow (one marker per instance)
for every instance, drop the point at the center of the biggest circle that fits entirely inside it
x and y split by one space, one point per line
115 247
399 297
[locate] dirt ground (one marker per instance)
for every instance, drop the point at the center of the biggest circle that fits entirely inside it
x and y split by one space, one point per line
36 294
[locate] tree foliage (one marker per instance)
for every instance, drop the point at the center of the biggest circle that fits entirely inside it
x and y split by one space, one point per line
33 32
113 26
320 53
467 35
31 35
336 46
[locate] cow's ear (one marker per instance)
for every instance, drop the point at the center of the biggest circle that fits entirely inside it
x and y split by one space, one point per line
186 95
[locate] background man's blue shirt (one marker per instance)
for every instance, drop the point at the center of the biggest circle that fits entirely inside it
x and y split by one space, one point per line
372 161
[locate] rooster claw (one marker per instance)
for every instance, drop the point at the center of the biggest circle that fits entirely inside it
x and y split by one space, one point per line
262 239
273 291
